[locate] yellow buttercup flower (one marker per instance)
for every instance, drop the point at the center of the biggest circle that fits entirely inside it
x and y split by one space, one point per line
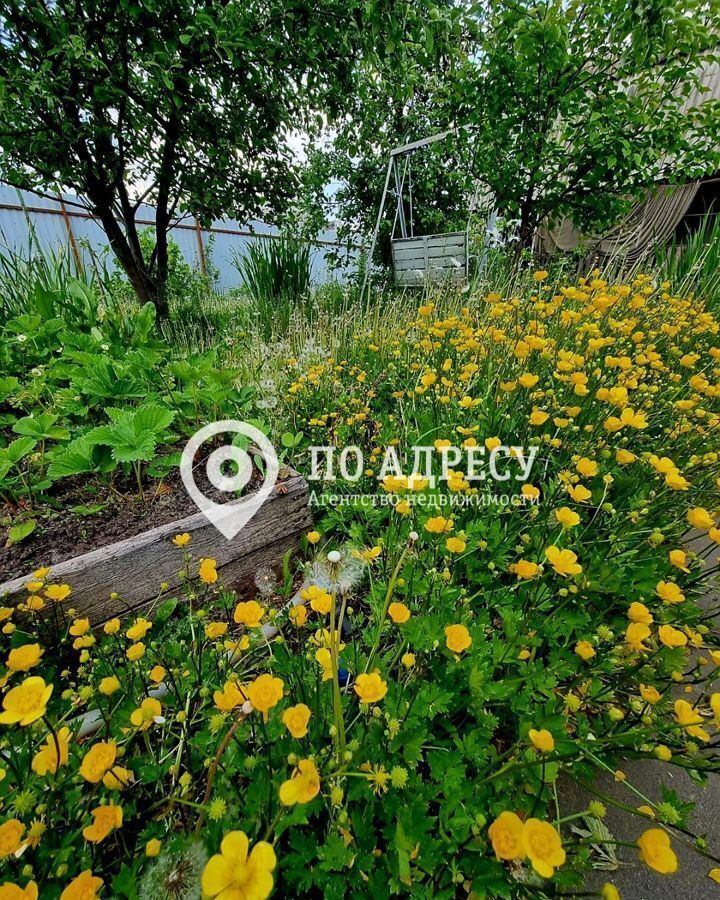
638 612
506 836
564 562
303 786
105 820
296 718
457 638
264 693
229 698
157 674
135 651
85 887
237 873
58 592
624 457
585 650
26 703
215 630
152 848
46 758
678 558
700 518
319 599
109 685
112 627
669 592
579 493
368 554
635 634
715 706
249 614
11 833
656 852
79 627
298 615
676 482
455 545
671 637
207 571
117 778
146 714
586 467
567 517
138 629
543 846
11 891
313 537
22 659
538 417
439 525
99 759
398 612
690 720
650 694
370 687
181 540
524 569
542 740
323 657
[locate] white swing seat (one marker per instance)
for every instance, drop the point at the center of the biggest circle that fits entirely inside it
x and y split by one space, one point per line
433 257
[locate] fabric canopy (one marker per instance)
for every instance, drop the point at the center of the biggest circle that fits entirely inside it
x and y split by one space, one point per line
652 220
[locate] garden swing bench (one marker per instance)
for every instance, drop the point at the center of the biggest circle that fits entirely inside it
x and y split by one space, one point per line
418 259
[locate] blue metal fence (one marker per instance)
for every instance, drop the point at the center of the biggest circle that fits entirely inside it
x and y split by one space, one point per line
60 221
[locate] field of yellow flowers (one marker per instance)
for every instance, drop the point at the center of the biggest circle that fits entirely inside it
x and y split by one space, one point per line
400 728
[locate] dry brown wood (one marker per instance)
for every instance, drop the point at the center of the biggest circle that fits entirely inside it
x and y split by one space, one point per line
135 567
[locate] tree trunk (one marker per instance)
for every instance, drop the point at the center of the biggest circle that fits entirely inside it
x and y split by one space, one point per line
161 270
525 232
147 288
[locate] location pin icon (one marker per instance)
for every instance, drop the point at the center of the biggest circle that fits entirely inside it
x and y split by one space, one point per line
229 518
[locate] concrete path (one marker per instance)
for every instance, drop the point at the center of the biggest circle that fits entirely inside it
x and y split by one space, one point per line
634 879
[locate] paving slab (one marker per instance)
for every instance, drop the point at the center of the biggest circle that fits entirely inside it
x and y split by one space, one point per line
633 878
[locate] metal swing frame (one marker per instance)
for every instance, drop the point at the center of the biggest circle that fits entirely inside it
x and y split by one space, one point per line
417 259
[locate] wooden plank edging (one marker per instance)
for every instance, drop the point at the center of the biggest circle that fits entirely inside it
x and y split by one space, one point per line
136 566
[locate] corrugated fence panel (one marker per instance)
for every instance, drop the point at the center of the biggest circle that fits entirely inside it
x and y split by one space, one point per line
29 221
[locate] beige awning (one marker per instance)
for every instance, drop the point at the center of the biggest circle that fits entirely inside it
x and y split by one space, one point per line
651 221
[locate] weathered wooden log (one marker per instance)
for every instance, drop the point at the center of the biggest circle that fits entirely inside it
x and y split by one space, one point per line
135 567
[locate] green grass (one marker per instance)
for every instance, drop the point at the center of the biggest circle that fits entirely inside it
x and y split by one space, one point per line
693 266
45 282
275 272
